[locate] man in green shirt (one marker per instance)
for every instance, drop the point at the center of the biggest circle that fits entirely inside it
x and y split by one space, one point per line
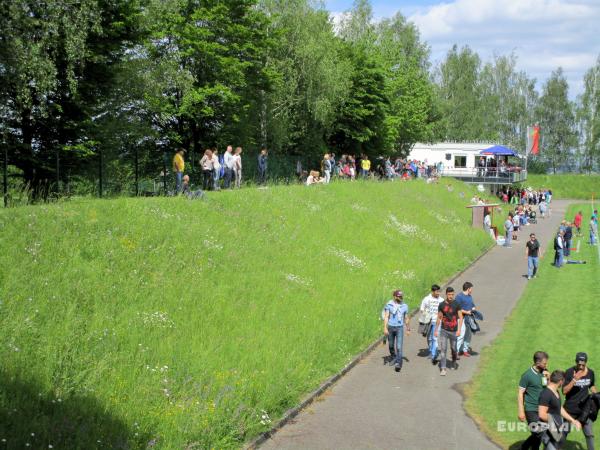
533 381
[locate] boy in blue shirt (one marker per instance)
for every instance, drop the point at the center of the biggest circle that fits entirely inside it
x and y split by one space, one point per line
394 318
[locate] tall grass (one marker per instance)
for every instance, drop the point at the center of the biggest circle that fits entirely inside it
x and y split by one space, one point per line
165 322
567 186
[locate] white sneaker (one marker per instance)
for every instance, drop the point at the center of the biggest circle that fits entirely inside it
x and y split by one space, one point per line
443 372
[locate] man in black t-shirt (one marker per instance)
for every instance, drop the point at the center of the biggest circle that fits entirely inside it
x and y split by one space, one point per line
447 327
579 382
533 253
552 413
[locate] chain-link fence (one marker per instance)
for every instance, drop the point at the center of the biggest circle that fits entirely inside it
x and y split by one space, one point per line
137 172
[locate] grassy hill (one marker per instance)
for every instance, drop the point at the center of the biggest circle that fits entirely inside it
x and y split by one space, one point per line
169 323
567 186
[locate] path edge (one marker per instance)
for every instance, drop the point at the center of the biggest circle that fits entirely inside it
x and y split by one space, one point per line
314 395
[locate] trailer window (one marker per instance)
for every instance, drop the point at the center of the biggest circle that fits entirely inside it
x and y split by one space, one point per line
460 161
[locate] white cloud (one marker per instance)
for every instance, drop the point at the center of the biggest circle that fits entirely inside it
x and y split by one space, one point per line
544 34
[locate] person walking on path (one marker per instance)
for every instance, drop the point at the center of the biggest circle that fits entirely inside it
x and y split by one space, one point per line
531 385
228 160
429 310
465 300
508 230
533 253
178 168
447 328
579 382
394 319
262 166
559 245
552 412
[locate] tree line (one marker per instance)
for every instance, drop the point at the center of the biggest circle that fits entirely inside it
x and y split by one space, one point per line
109 78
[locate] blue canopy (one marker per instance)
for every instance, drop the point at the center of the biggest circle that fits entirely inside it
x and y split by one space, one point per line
498 150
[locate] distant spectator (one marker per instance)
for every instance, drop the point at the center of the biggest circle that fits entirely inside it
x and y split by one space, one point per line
593 231
314 178
577 222
262 166
178 168
543 206
568 237
206 163
216 169
508 228
365 166
327 167
559 246
186 189
229 162
237 167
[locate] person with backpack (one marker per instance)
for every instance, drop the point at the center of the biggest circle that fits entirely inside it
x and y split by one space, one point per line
580 381
394 320
429 311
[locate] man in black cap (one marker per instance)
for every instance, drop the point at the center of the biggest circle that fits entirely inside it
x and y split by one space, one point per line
579 382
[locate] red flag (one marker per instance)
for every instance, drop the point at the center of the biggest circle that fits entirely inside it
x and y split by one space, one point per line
535 141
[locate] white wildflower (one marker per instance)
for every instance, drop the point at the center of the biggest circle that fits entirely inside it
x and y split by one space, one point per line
348 258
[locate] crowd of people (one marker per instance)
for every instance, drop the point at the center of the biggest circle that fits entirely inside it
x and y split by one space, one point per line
447 324
539 402
351 167
218 171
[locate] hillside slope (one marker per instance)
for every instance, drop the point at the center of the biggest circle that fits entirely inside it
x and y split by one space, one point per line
162 322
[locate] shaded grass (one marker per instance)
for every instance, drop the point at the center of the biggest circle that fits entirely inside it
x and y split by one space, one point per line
567 186
556 314
199 322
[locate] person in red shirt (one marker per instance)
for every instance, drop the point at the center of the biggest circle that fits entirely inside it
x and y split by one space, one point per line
577 222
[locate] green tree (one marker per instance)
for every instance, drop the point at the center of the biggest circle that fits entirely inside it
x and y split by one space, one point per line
588 118
557 121
460 96
57 59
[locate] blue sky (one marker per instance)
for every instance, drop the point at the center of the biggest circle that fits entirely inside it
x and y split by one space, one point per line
544 34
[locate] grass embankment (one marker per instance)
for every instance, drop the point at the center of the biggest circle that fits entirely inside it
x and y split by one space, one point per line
557 314
567 186
166 323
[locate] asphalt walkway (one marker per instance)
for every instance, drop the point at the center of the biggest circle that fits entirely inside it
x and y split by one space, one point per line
373 407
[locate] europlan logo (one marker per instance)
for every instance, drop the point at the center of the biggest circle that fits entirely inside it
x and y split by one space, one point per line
507 426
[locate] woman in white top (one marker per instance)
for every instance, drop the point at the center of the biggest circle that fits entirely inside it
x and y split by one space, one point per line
237 167
216 169
206 164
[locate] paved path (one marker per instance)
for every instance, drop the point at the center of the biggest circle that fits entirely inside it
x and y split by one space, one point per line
373 407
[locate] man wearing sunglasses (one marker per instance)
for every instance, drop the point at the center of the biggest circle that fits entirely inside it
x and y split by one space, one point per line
579 382
533 253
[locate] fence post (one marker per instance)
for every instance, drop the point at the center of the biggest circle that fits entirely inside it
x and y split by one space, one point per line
100 174
137 172
165 158
5 175
57 171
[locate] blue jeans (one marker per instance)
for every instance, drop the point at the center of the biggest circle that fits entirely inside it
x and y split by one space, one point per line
532 265
395 341
592 238
432 341
567 249
178 181
558 257
216 176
